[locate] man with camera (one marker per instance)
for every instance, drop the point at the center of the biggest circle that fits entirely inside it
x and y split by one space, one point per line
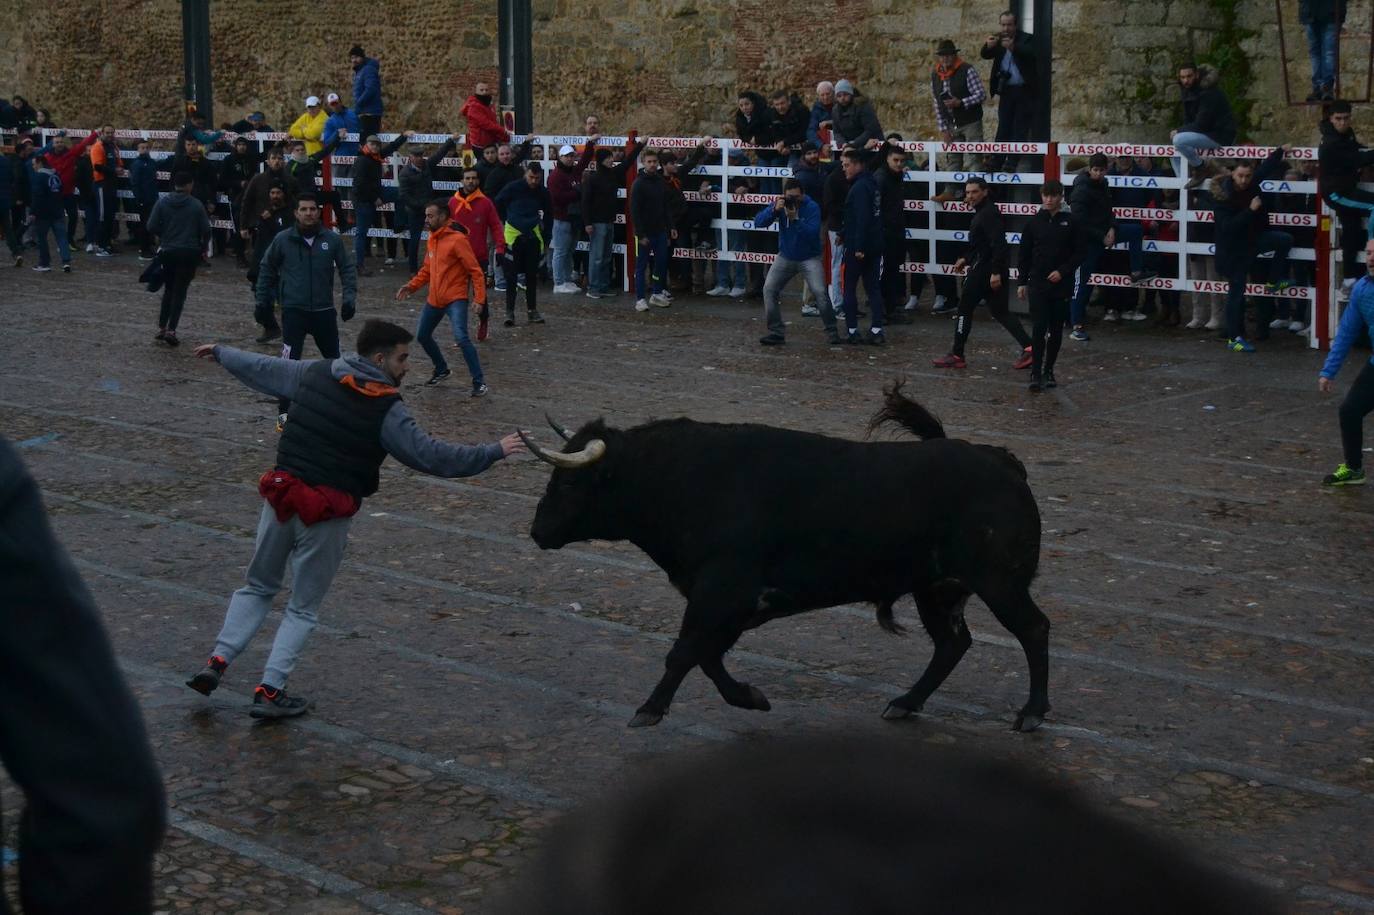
1012 80
958 94
799 251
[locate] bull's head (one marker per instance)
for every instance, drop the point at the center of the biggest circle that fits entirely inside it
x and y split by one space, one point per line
578 503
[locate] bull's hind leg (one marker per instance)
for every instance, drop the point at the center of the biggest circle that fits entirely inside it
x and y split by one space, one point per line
942 613
740 695
1018 612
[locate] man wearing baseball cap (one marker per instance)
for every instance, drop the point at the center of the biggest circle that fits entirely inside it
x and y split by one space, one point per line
565 189
310 126
343 118
255 121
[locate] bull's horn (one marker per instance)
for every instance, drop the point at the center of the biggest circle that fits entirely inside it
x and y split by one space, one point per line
563 433
593 452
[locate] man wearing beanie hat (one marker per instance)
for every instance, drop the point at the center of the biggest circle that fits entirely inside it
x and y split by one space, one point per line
367 90
852 119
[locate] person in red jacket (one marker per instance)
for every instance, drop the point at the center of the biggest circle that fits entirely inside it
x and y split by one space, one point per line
565 189
62 156
484 127
474 211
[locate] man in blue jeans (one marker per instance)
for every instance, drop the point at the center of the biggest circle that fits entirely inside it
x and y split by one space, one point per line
653 229
455 278
1242 234
1208 122
1322 20
799 251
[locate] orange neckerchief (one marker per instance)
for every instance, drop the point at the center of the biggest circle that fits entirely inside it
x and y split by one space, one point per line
372 155
944 74
368 388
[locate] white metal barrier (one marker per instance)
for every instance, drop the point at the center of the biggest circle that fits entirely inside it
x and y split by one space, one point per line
929 227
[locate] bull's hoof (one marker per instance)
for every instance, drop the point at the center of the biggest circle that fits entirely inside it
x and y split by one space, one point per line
758 701
1027 723
895 712
643 719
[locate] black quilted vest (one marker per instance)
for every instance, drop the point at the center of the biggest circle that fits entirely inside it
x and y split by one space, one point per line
333 433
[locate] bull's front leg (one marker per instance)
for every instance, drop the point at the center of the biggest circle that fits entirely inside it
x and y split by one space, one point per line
679 663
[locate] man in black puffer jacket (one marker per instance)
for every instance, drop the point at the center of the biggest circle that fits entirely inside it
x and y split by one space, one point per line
367 192
1340 158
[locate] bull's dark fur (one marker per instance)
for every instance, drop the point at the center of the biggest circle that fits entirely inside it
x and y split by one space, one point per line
752 523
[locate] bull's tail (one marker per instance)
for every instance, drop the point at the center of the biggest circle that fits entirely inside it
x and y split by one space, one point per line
900 409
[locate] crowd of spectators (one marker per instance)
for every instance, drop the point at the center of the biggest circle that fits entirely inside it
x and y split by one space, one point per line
833 152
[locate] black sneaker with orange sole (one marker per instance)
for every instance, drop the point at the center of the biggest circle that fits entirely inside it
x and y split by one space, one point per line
208 679
275 703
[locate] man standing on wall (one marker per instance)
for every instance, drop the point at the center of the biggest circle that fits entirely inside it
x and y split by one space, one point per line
484 128
958 95
346 417
367 91
1013 81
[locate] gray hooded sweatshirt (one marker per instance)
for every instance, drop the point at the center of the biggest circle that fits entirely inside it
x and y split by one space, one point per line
180 223
401 435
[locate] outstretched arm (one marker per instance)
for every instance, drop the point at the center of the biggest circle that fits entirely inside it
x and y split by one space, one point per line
404 440
264 374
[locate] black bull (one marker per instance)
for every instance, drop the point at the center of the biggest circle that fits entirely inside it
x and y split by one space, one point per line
752 523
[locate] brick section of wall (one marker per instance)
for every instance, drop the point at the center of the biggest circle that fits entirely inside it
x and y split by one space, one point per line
663 66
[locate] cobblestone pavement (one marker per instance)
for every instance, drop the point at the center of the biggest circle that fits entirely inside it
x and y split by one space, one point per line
1213 668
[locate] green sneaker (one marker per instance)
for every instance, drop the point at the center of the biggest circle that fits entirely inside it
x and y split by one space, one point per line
1345 476
1274 288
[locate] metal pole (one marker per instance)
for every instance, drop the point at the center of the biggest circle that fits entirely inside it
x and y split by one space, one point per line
1043 11
515 41
195 45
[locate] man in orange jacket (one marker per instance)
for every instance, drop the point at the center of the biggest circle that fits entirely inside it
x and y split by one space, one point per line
450 268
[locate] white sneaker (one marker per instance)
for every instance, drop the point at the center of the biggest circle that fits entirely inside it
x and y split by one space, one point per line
567 289
911 303
90 249
103 252
1111 315
1195 324
1133 315
1212 324
718 290
658 300
737 292
1297 327
938 304
41 269
641 305
1346 286
1277 324
666 296
810 311
390 262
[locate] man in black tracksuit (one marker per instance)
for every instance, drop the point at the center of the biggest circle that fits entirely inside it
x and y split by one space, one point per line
891 179
527 212
986 258
237 169
1052 247
654 231
1340 158
367 192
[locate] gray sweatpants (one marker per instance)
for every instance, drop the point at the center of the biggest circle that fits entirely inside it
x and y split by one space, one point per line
314 553
779 274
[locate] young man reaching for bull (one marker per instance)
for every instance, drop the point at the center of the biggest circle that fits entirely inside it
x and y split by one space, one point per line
346 417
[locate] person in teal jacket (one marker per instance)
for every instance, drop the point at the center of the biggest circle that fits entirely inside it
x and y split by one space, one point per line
1359 401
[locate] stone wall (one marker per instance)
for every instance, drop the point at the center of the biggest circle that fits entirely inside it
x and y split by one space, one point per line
671 66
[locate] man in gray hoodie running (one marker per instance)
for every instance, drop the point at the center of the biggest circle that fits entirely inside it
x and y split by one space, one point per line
346 417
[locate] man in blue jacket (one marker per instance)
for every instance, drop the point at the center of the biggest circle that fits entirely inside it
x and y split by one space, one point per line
862 237
1355 323
367 91
341 118
143 183
799 251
